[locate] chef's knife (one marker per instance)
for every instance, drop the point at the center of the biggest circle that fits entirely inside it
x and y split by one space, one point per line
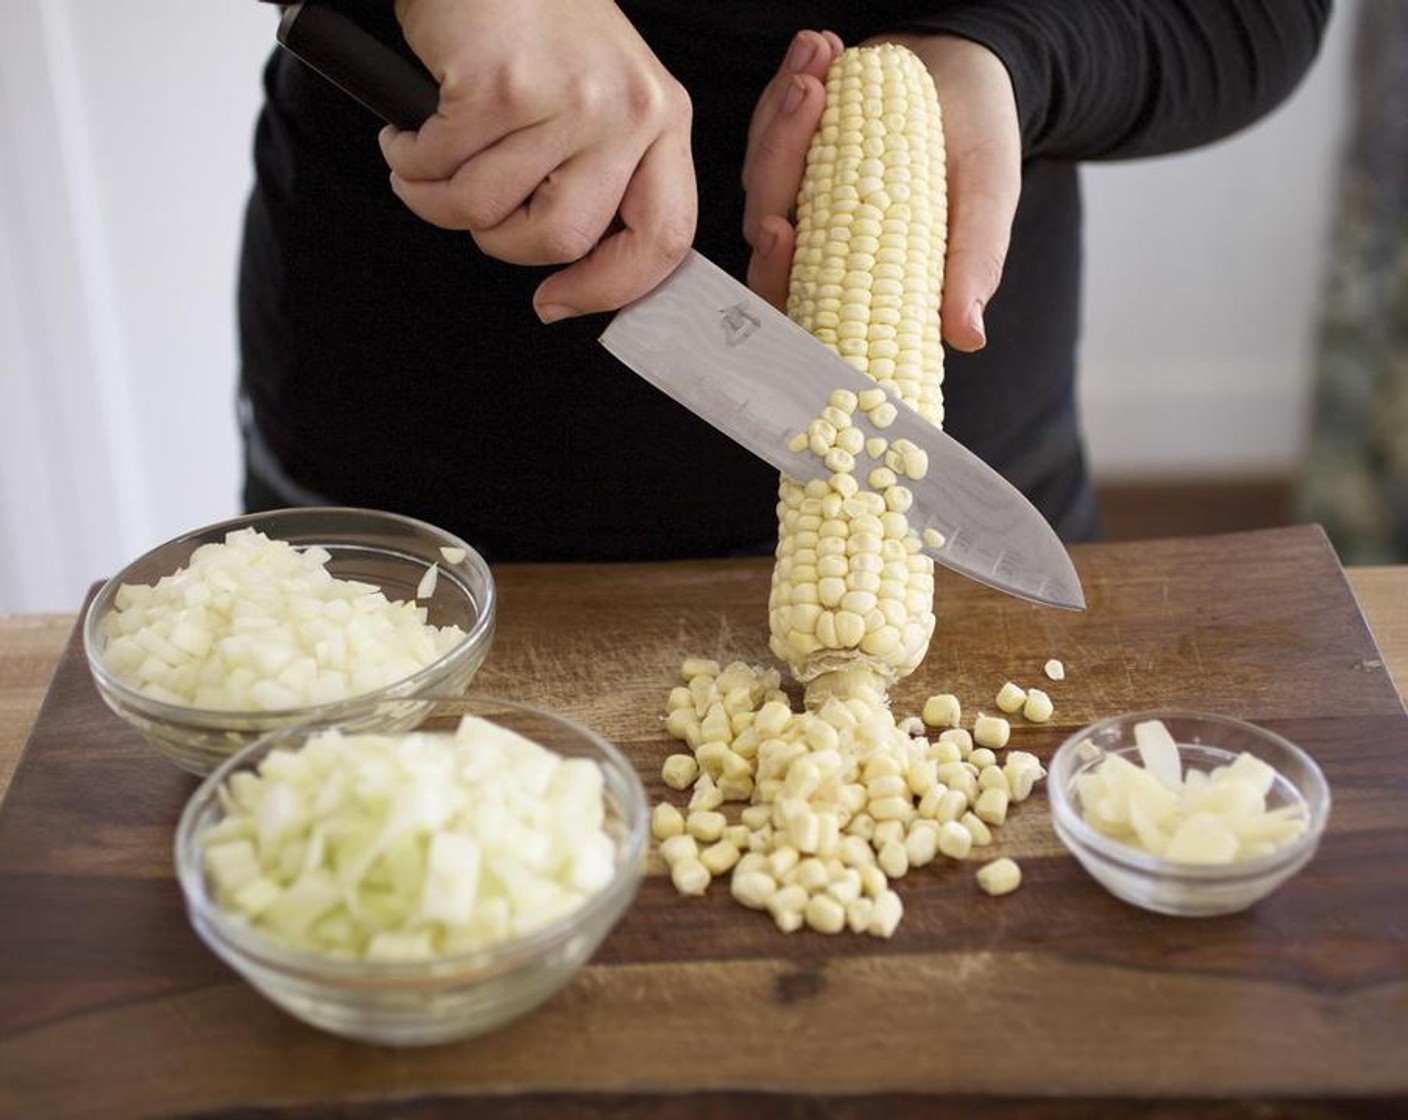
710 343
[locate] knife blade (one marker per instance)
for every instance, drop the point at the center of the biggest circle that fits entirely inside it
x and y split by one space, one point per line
733 359
708 342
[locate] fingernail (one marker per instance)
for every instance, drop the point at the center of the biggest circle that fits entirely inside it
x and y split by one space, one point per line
552 312
767 241
803 48
795 92
975 322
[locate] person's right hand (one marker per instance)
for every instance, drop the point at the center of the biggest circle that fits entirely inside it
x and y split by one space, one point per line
555 121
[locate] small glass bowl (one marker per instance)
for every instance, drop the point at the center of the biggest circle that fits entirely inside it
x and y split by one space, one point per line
1185 889
385 549
453 997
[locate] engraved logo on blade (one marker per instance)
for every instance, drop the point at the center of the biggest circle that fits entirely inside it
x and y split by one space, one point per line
739 324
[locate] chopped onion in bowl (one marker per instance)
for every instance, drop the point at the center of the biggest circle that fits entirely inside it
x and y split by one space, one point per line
255 624
409 847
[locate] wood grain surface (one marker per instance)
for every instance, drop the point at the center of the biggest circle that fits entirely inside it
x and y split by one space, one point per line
1057 1000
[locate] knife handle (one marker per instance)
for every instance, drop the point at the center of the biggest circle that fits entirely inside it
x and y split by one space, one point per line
373 72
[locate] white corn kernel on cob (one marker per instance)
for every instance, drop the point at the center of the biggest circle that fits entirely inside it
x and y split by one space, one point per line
851 608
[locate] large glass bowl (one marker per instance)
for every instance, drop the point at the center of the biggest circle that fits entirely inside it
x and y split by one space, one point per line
385 549
422 1003
1205 741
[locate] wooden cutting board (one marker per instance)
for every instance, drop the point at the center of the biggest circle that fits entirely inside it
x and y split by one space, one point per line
1057 1000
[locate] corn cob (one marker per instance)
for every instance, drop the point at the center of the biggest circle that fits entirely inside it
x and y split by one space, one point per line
851 608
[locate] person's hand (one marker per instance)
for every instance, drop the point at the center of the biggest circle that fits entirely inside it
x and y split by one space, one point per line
786 117
777 138
559 138
983 153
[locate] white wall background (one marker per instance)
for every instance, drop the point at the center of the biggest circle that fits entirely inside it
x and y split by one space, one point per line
124 161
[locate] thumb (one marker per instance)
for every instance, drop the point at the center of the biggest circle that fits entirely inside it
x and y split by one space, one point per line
984 185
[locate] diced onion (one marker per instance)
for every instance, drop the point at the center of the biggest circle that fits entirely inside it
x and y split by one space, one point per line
255 624
409 847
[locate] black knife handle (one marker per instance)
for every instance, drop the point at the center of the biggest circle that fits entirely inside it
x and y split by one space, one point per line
361 65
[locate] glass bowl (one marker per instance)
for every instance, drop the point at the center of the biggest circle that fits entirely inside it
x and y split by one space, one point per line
1186 889
385 549
448 998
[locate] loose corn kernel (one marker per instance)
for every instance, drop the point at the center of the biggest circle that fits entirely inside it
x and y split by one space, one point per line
955 841
961 776
928 808
761 839
993 777
845 887
1001 876
923 776
755 816
855 852
873 881
1055 670
1038 707
788 899
737 835
858 914
942 710
825 914
952 805
991 731
705 795
885 914
889 785
1026 760
892 809
1020 781
782 860
922 843
887 832
666 821
678 848
894 860
991 805
982 758
690 876
1011 697
912 726
960 737
812 875
946 751
682 724
977 829
753 889
706 827
699 667
719 858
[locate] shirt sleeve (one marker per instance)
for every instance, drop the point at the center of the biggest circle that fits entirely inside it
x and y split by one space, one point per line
1107 79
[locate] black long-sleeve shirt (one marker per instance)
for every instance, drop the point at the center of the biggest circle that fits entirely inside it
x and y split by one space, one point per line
388 363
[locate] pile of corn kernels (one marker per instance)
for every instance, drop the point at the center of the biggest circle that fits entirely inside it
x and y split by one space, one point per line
834 804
